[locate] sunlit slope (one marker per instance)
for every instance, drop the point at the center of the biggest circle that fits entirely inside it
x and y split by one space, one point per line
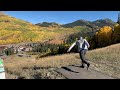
14 30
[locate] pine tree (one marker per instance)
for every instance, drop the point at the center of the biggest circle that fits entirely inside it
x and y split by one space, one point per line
118 18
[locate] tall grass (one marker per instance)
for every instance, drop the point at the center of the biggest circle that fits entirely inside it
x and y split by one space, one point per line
106 60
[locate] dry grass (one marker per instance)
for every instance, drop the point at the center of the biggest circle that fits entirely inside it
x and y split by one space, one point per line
105 60
44 67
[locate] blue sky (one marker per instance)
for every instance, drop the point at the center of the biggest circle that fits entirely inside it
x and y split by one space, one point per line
62 17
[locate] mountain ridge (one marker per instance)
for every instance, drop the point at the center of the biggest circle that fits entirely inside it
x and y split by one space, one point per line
13 30
82 22
97 23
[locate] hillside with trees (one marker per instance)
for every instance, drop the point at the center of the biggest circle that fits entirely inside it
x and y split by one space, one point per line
13 30
53 38
95 24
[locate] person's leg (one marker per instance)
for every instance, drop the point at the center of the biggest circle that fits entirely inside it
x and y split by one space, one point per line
82 56
88 64
80 53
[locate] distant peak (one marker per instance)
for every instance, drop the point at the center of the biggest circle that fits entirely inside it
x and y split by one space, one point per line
47 24
105 19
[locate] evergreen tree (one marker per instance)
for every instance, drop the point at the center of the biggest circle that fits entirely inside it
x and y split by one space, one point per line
118 18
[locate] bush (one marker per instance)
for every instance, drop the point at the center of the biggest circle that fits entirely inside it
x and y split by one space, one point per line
9 51
50 49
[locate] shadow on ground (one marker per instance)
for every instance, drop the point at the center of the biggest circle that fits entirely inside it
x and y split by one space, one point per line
69 70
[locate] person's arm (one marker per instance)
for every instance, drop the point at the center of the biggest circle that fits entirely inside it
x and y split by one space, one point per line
71 46
88 45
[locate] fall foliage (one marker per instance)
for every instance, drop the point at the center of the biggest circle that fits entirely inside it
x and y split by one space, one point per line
14 30
116 34
103 36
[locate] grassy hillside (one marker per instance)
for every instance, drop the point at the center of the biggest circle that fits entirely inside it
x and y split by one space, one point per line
14 30
105 60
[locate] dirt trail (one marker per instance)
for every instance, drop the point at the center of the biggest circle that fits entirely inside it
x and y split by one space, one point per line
75 72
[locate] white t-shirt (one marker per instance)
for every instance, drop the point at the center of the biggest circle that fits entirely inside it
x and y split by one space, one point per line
82 44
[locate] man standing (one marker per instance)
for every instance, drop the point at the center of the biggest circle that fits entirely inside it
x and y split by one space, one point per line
82 46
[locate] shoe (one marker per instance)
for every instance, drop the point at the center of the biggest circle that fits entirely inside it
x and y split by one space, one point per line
88 65
82 66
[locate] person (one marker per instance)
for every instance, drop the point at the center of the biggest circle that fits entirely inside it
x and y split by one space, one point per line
82 46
